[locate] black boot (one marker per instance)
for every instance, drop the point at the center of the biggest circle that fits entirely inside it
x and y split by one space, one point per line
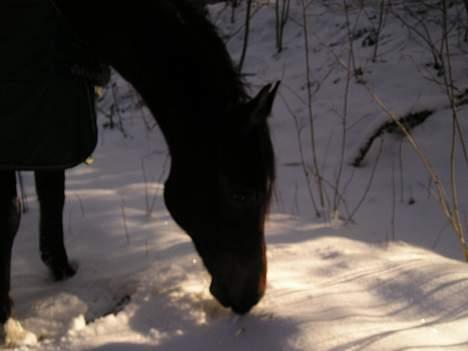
50 188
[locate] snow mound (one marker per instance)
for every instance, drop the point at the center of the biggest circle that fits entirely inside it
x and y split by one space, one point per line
16 336
324 293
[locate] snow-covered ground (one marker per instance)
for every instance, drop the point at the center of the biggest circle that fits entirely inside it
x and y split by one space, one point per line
384 272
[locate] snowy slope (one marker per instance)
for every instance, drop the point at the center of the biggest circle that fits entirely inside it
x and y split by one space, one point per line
378 282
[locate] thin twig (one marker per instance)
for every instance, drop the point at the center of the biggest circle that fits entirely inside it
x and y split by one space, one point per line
246 34
124 220
304 167
368 186
379 30
456 219
318 177
343 135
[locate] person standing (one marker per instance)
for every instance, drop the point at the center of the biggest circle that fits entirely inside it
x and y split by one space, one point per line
47 124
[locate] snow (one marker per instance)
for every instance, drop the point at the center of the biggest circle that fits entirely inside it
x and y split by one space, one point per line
389 277
15 334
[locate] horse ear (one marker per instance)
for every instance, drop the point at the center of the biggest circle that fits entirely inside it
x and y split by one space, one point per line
260 106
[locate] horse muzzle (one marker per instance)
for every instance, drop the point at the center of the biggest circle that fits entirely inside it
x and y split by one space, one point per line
242 282
240 301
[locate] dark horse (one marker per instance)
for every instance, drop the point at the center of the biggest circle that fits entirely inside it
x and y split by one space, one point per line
222 161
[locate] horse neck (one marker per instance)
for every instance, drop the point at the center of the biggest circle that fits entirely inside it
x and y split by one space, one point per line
170 53
189 83
173 57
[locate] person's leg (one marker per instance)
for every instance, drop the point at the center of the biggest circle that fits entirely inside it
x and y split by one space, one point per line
10 214
50 189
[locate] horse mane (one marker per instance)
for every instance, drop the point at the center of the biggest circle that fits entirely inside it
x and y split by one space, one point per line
209 38
198 22
208 35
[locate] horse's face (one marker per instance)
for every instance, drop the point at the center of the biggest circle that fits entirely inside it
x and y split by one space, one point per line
222 205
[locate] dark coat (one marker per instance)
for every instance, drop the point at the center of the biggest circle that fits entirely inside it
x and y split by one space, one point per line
47 112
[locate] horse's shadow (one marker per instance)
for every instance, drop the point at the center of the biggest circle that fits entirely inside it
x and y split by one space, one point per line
256 331
169 313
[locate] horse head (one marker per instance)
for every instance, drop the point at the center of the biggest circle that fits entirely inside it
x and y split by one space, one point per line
222 162
222 202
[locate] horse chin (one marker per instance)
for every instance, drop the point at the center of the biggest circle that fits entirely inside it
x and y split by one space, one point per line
238 282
